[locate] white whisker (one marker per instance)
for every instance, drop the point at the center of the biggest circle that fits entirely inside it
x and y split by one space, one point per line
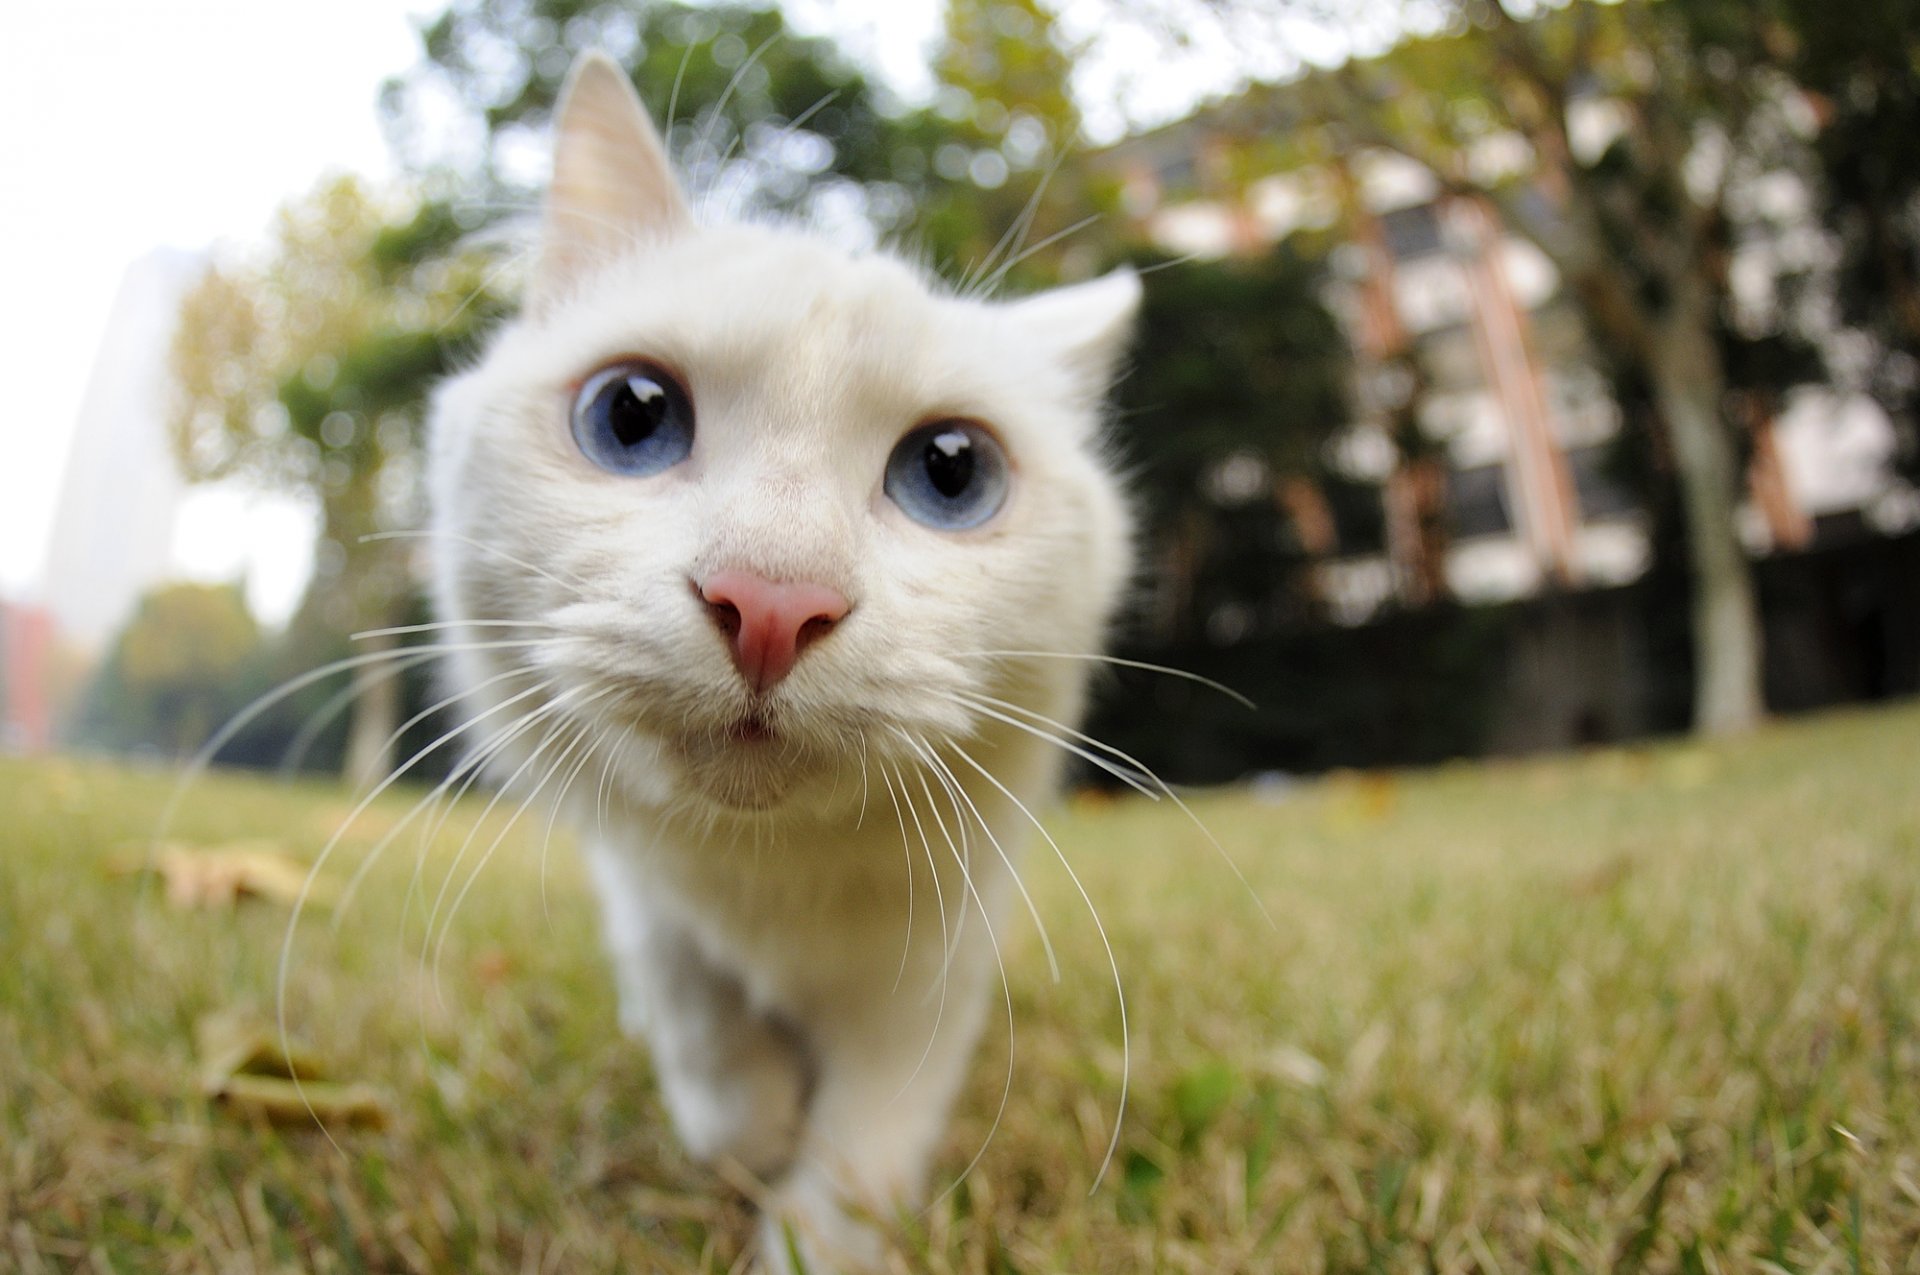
1140 768
1095 658
436 626
324 716
1046 942
1015 233
1006 992
980 704
435 533
958 852
906 944
306 891
1126 1048
352 887
718 111
995 279
546 842
198 763
501 836
543 713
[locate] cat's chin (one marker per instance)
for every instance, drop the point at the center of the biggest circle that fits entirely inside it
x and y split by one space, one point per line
748 769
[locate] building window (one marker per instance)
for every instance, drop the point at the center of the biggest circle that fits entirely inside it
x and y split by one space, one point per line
1477 502
1411 232
1601 493
1359 514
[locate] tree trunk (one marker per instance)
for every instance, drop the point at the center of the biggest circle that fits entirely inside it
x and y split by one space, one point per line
1688 385
1416 508
376 711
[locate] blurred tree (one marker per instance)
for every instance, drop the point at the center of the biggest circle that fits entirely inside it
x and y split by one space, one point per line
1625 193
1617 137
1252 138
1244 388
756 116
184 662
1860 65
307 372
1011 197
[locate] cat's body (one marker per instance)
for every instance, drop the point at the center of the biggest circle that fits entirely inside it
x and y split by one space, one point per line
788 646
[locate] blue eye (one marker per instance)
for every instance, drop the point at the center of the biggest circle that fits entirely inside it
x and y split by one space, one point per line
949 475
632 418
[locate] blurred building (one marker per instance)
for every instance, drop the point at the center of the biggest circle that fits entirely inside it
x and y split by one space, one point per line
26 659
1464 327
113 527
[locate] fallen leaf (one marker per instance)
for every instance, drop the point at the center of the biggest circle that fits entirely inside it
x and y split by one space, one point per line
493 967
231 1043
283 1102
221 876
245 1067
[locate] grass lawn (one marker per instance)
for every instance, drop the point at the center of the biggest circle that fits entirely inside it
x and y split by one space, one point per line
1638 1010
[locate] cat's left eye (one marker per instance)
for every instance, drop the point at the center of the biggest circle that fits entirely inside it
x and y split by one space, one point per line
949 475
633 418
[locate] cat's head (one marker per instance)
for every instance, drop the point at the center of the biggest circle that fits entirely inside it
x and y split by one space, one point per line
771 508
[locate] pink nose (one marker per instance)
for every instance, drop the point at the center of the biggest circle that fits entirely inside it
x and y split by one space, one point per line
769 623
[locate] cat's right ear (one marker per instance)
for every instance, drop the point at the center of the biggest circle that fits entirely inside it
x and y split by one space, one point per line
611 182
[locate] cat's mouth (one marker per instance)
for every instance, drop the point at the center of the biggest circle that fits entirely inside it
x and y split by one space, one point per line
749 762
752 728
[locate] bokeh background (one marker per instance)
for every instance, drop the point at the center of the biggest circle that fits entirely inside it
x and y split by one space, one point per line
1511 378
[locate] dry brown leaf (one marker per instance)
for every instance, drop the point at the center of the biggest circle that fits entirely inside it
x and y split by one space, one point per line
231 1043
493 967
244 1066
281 1101
221 876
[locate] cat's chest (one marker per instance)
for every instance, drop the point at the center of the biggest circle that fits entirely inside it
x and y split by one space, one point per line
799 907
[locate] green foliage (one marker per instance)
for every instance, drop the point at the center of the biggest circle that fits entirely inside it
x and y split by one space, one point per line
772 111
1860 66
760 117
1235 357
1009 188
309 372
184 662
1239 384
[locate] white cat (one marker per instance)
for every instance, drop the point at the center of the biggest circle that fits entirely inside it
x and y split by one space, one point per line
799 538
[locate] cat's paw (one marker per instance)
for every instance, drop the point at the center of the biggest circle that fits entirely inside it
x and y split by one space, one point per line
807 1232
749 1106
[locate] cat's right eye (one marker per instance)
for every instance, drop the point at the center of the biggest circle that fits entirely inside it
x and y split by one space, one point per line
949 475
633 418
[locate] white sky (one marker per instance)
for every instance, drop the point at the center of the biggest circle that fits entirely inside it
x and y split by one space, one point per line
127 125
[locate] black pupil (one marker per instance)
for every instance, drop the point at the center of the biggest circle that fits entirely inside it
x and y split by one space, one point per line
949 461
638 406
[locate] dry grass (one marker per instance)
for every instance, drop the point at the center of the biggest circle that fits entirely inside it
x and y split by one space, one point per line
1650 1010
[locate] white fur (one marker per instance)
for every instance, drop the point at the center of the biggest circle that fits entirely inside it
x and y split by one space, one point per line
758 899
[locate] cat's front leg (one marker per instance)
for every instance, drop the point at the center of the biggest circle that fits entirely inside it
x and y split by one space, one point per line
736 1080
885 1083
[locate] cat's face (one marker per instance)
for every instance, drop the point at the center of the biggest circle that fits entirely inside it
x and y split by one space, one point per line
683 409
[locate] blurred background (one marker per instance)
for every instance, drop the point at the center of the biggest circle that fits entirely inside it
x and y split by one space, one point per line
1511 377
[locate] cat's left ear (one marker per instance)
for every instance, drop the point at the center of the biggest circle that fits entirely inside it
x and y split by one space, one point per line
1085 326
611 181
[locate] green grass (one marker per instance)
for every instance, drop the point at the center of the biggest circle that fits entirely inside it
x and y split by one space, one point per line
1641 1010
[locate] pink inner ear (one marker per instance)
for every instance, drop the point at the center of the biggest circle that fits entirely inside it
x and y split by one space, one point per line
611 179
768 623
